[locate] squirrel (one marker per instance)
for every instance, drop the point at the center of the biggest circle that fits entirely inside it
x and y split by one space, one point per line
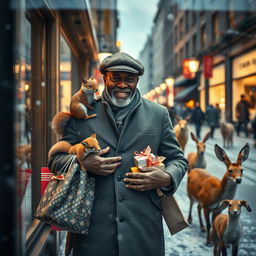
89 144
80 102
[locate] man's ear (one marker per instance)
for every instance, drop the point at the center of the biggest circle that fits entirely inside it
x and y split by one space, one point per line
104 78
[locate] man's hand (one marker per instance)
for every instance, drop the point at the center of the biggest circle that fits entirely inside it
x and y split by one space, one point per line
96 164
148 178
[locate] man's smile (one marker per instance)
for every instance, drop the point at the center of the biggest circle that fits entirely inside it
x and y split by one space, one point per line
121 94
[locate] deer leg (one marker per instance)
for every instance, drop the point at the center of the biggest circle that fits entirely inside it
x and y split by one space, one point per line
224 251
202 227
235 250
190 211
208 226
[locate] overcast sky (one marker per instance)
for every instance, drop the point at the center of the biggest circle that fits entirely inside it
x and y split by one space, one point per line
136 20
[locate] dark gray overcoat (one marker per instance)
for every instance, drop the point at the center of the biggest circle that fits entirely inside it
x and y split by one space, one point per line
126 222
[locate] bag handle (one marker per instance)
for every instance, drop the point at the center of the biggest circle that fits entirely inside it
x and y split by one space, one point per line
65 167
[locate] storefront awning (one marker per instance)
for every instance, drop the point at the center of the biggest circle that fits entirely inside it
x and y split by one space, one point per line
186 94
182 81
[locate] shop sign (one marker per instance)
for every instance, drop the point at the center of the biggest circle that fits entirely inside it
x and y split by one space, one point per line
207 66
244 65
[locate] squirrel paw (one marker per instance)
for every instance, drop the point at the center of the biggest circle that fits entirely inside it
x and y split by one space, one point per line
90 116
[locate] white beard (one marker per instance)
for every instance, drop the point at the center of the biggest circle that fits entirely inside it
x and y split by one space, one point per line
120 102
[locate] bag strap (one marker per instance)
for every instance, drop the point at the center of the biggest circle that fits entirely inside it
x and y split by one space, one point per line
67 165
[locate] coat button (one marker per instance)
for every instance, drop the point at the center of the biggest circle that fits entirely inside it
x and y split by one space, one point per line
121 199
119 178
121 219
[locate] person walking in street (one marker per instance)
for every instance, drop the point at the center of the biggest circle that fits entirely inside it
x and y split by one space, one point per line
243 115
127 215
212 118
198 118
254 130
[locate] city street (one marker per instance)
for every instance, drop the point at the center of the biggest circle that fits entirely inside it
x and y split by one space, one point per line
191 241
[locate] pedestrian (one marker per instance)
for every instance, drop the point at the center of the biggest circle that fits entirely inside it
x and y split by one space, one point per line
212 118
126 217
198 118
253 123
220 113
243 115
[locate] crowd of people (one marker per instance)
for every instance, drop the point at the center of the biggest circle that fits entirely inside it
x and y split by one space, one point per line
212 117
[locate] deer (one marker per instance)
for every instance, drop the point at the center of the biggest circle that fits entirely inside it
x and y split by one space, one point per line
181 131
227 131
197 159
209 191
227 229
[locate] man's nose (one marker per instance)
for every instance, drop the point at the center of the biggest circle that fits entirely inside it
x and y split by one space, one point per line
122 84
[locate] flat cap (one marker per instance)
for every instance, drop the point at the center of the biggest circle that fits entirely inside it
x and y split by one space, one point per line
121 61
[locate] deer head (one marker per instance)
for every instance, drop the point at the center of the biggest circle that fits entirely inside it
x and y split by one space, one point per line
234 170
200 145
182 123
234 206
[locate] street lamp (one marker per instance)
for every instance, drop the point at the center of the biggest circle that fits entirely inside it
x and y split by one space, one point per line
169 81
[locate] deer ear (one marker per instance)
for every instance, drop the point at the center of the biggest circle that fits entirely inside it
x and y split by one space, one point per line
193 136
243 154
177 118
93 135
187 117
206 137
222 204
246 205
221 155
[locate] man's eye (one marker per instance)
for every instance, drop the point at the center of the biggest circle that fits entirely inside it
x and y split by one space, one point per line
114 79
129 80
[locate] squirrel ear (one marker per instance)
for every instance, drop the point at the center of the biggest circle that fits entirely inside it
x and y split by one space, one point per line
84 81
93 135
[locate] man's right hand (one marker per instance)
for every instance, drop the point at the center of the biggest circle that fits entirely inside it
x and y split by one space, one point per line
96 164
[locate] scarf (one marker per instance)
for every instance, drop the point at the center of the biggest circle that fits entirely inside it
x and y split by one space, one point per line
120 113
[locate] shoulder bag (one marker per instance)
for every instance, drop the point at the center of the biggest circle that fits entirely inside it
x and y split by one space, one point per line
68 199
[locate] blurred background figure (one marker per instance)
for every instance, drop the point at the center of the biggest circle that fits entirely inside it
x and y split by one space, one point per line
242 115
254 129
212 118
197 118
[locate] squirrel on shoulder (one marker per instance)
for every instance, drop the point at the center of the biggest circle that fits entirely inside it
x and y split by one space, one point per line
88 145
80 103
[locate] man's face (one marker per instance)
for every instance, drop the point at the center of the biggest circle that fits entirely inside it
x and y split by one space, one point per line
120 87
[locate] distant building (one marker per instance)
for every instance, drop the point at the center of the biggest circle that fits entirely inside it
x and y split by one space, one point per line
145 56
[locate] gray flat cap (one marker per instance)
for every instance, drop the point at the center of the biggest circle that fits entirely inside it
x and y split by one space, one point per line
121 62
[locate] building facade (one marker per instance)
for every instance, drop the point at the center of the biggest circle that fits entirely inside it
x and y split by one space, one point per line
224 30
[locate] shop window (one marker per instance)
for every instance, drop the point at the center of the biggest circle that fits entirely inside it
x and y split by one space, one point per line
65 75
23 125
215 27
203 37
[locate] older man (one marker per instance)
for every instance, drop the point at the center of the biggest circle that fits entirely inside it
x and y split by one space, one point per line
127 215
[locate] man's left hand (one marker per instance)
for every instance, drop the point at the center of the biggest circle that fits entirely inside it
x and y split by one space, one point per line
148 178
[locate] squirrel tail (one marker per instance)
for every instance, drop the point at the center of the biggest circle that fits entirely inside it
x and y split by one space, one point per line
59 122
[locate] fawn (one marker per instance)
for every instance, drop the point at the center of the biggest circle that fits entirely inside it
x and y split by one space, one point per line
209 191
181 131
227 229
197 159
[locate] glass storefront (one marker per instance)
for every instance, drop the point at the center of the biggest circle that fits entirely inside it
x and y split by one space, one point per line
65 75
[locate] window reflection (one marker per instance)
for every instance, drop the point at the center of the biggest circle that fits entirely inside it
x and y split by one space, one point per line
65 75
23 149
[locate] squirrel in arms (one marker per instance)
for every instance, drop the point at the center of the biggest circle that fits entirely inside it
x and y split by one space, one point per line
88 145
80 102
